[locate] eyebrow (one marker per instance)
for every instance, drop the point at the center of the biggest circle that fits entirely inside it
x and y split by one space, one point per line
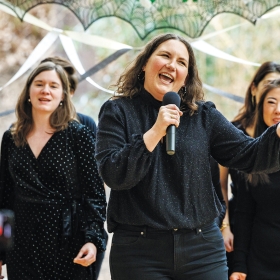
271 97
41 81
269 80
170 54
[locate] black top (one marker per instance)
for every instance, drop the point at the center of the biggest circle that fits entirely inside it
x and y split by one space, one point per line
257 230
163 191
87 121
59 203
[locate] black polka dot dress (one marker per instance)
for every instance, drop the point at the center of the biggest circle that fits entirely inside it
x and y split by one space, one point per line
59 203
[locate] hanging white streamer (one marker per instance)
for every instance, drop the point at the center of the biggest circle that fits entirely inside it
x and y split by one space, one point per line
209 49
93 40
215 33
97 41
81 37
37 53
271 14
71 52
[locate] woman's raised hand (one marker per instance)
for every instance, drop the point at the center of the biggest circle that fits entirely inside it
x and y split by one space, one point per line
168 115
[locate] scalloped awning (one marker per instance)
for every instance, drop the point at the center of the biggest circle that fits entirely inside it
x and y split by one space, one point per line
188 16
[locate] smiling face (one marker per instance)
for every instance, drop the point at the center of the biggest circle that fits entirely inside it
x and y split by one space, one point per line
46 92
271 107
166 69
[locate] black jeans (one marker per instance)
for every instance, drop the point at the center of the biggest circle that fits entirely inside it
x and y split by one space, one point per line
140 253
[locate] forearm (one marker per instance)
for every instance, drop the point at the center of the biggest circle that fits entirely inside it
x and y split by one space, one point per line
224 173
151 139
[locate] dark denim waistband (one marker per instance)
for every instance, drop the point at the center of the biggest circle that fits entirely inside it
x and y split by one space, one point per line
147 229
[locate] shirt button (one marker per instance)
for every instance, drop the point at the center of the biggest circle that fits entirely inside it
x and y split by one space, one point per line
142 232
175 229
199 230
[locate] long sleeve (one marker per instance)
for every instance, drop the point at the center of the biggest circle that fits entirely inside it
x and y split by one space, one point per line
6 183
92 188
232 148
126 154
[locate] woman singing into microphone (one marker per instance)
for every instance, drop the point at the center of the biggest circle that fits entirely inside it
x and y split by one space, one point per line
162 207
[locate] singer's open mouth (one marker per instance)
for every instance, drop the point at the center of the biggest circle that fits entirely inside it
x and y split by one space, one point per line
166 77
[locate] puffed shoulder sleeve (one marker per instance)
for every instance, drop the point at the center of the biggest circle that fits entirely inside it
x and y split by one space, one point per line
122 157
232 148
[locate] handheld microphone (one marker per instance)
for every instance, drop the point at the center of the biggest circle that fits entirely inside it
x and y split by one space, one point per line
171 97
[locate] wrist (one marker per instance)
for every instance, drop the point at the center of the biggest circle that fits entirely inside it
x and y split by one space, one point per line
224 225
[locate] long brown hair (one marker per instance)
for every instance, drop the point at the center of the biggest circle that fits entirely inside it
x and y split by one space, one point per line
246 114
260 127
59 118
129 83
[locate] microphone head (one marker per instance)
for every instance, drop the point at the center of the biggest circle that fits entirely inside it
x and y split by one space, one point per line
171 97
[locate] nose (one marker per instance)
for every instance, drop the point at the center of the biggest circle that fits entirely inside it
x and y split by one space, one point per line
171 65
46 89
